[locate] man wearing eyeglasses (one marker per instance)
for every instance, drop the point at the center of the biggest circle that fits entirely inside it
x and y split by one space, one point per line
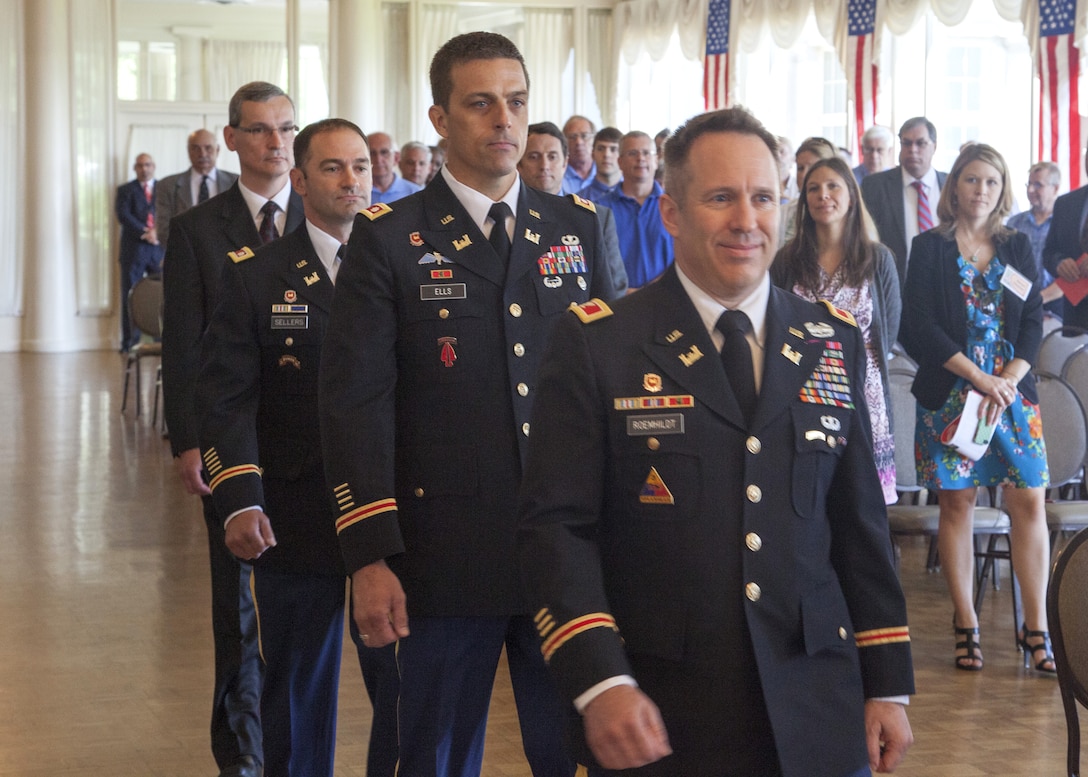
259 208
580 166
645 244
903 200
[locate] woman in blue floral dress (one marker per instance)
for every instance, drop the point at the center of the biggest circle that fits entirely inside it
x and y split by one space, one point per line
972 319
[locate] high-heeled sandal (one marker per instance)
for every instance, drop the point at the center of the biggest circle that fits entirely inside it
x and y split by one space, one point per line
1046 663
971 661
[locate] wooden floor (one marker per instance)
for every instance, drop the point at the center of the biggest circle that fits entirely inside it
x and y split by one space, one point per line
105 647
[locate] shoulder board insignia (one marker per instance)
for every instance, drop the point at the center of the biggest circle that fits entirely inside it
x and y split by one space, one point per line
243 253
587 204
839 313
591 311
376 211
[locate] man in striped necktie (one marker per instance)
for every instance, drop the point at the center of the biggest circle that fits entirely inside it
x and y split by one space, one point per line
903 200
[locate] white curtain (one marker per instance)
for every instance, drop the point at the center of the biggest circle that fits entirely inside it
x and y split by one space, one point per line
547 49
601 61
92 63
438 23
396 89
231 63
11 136
647 25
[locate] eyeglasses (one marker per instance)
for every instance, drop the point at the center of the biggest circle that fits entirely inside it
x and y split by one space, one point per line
639 153
264 131
579 136
918 144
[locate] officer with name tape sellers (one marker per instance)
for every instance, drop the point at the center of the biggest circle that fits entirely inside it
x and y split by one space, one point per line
441 313
704 539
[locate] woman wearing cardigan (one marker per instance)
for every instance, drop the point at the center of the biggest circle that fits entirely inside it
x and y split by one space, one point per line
831 257
973 319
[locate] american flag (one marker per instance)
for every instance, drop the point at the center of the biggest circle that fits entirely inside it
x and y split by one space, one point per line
1059 76
716 62
861 62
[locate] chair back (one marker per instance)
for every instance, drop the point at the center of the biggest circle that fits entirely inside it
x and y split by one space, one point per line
1075 373
903 409
1057 346
145 306
1065 429
1067 617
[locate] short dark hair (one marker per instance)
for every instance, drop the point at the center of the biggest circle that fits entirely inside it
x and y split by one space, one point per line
470 47
549 128
678 148
253 92
310 131
607 135
917 121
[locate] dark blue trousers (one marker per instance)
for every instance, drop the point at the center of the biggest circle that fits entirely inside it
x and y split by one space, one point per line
236 723
447 670
301 623
382 680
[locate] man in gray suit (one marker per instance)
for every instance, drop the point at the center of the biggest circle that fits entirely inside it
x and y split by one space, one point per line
177 193
892 196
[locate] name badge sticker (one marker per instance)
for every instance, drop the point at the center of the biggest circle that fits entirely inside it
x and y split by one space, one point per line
442 291
1016 282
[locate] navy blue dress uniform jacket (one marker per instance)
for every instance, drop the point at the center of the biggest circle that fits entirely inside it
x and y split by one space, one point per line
657 524
201 239
1063 241
428 376
934 325
258 400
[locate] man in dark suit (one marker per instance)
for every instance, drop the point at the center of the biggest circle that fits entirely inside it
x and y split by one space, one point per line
262 451
257 209
141 251
176 193
893 197
1066 243
427 378
707 553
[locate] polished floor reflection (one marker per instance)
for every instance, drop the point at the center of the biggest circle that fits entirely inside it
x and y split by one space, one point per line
105 650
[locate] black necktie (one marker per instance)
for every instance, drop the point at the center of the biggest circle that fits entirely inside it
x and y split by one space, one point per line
268 231
737 359
341 252
499 239
203 190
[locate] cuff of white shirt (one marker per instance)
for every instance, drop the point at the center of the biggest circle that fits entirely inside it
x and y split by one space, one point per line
585 698
904 700
239 512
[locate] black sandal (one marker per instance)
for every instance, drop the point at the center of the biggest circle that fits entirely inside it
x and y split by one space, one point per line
1046 663
972 660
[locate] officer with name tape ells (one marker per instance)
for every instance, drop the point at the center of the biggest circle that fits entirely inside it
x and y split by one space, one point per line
442 309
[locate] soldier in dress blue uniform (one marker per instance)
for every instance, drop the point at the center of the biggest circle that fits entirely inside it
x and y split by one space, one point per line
428 375
261 448
704 537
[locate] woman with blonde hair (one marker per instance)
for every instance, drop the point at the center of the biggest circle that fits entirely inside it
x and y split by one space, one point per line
972 319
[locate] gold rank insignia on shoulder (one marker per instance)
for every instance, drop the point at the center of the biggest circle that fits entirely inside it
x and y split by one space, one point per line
839 313
583 202
243 253
591 311
376 211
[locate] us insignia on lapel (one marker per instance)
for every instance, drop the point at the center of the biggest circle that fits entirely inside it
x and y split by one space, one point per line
301 264
654 491
446 220
534 214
